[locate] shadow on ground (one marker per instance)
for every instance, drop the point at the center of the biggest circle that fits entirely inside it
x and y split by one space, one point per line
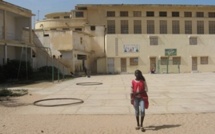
156 128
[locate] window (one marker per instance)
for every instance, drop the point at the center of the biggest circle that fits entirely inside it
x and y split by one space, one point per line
110 13
81 57
211 27
187 14
123 13
124 26
81 40
193 40
133 61
200 27
66 17
66 29
164 60
153 40
188 27
199 14
175 27
78 29
137 27
56 17
53 29
137 13
162 14
82 8
176 60
163 27
111 26
92 28
175 14
150 27
211 14
149 13
204 60
79 14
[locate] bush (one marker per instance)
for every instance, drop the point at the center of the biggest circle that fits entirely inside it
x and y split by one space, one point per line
5 92
2 75
47 69
18 92
45 73
17 71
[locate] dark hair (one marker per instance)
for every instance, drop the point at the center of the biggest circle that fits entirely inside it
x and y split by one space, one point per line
141 77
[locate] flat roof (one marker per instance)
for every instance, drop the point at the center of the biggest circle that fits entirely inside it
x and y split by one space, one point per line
152 5
16 6
7 5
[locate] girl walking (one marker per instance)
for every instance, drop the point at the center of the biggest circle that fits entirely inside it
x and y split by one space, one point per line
139 98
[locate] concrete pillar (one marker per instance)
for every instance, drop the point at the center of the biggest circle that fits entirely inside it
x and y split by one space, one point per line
4 34
4 24
30 31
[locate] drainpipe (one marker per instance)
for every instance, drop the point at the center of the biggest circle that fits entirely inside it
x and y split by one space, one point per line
104 41
4 35
26 60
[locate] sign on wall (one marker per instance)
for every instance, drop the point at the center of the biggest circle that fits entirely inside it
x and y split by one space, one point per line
81 57
131 48
170 52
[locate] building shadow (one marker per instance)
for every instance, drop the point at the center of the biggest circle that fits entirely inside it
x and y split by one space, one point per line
156 128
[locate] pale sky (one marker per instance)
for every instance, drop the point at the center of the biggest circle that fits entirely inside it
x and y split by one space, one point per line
42 7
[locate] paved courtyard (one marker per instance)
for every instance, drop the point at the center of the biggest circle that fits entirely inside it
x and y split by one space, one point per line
168 93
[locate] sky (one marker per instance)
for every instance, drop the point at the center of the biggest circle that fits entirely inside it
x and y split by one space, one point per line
42 7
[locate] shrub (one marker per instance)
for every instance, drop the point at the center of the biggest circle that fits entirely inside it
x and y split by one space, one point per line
5 92
45 73
15 69
16 92
2 75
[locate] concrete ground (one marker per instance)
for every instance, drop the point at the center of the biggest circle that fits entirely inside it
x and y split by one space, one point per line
168 93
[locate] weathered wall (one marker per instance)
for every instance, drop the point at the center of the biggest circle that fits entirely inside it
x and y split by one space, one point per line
205 47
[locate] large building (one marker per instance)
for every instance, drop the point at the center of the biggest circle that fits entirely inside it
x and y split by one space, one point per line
13 21
123 38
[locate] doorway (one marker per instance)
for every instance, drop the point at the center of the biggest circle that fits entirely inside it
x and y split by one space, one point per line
194 63
123 65
110 63
152 64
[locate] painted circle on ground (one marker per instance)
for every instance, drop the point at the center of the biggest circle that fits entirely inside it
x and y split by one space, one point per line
89 83
53 102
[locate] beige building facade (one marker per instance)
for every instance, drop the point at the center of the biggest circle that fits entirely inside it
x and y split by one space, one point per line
123 38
